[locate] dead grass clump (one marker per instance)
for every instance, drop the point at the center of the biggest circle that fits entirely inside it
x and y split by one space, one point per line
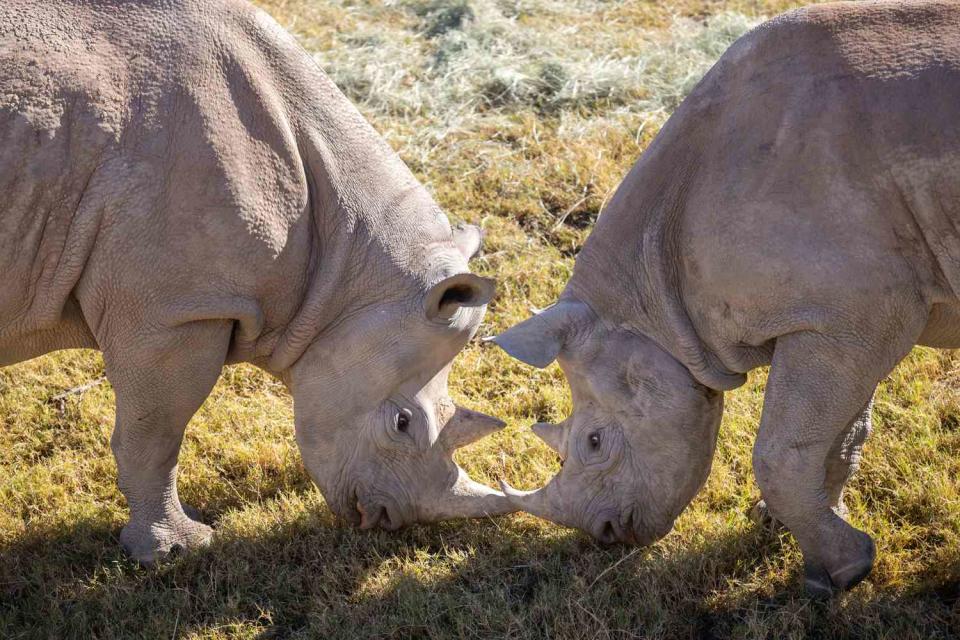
523 104
460 61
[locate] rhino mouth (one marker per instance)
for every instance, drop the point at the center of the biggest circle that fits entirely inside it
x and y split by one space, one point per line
600 517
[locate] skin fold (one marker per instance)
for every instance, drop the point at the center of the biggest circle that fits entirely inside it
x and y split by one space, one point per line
184 188
799 210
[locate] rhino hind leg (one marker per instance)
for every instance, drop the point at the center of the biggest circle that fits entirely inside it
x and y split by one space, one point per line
818 387
841 464
161 380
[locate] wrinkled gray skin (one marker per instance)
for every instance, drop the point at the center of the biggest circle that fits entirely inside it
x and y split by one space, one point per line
182 188
800 209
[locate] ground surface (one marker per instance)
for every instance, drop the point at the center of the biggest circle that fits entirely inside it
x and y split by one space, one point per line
522 116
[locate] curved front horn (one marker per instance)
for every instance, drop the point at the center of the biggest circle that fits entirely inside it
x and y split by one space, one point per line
467 498
544 503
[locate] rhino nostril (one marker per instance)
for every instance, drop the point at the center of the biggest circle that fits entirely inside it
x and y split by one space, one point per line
608 533
370 515
384 519
379 512
630 530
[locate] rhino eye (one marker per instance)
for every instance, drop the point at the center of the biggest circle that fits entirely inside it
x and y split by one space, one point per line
403 420
594 440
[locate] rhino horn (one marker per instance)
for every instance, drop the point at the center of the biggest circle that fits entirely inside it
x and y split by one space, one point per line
554 435
543 502
554 505
467 498
466 427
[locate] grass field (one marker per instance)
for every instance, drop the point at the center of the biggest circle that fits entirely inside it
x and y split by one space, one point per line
521 116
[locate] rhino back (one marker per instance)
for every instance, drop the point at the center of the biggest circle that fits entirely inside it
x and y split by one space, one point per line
832 144
832 172
813 171
147 157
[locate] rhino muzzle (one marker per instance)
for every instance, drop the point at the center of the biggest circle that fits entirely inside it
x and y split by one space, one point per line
439 489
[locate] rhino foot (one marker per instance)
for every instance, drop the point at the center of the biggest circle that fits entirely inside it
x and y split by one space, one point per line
148 544
822 584
760 515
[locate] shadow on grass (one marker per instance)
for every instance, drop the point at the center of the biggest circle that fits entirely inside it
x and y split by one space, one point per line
508 577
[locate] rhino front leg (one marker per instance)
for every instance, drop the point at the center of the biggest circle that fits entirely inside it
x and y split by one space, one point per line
160 381
844 457
805 450
841 463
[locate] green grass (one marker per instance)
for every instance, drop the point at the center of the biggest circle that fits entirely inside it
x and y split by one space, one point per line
522 116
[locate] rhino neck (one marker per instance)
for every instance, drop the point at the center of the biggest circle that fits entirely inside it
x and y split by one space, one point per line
629 268
367 221
372 221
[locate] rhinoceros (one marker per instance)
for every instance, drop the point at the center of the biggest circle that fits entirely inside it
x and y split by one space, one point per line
800 209
183 187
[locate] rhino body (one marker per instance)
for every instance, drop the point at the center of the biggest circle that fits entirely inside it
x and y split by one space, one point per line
800 209
182 187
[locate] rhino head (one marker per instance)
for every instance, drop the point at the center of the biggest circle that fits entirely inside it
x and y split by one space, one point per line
374 423
641 438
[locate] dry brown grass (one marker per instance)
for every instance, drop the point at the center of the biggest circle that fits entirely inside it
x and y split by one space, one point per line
533 167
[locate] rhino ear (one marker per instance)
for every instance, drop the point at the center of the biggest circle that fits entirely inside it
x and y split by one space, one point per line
532 341
469 240
539 340
460 290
